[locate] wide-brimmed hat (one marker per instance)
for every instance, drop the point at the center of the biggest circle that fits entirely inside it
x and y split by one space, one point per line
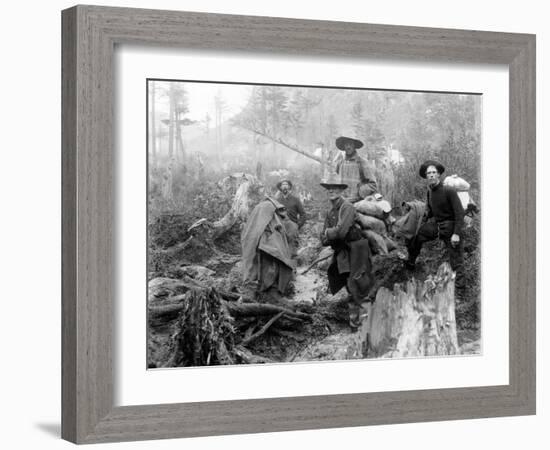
284 181
430 162
343 140
333 180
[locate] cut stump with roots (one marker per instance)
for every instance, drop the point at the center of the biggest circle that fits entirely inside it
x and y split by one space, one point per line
414 320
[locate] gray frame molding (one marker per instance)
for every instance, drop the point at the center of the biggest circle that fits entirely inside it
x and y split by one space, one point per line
89 36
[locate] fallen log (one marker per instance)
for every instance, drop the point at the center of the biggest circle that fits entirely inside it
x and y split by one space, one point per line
160 314
163 289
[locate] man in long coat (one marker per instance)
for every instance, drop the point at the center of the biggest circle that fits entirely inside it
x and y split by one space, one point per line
295 213
267 261
351 266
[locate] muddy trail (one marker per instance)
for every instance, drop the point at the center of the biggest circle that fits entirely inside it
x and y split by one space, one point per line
309 325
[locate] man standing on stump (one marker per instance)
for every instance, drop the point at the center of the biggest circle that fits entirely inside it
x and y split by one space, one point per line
351 265
443 220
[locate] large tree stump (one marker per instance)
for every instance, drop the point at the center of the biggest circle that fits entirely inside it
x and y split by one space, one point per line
248 192
204 332
191 324
417 319
246 196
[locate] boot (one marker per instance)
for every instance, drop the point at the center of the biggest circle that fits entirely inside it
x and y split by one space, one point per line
354 315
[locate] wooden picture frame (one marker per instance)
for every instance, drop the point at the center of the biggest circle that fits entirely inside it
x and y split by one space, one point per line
90 34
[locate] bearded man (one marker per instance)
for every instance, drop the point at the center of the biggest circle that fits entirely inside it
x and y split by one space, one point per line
294 215
293 205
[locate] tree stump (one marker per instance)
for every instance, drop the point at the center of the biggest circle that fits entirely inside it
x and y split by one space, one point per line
246 197
416 319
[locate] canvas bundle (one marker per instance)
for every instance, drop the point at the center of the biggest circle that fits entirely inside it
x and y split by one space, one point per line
457 183
369 208
407 225
371 223
381 202
376 241
461 186
464 199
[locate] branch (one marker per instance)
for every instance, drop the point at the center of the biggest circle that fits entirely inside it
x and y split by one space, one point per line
256 335
263 309
280 141
317 261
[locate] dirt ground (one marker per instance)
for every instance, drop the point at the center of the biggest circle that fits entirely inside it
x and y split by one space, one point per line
327 336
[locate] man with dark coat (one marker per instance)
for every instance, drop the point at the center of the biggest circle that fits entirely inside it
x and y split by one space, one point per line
354 170
295 213
443 220
351 264
293 205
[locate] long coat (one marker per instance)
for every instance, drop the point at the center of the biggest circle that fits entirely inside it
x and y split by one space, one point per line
351 265
266 252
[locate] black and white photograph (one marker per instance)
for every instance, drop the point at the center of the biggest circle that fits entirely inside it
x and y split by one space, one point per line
264 225
291 224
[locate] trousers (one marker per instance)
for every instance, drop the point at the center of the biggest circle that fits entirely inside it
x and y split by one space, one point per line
292 230
432 230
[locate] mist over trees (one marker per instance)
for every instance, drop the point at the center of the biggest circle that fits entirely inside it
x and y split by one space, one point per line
294 128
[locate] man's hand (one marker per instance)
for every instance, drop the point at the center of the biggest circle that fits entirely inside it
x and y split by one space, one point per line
455 239
324 237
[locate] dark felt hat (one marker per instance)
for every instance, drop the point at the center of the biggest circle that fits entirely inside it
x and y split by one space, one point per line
333 180
343 140
283 181
430 162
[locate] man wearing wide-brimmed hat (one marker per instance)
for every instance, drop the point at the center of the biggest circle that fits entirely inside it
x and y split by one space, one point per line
443 220
355 170
292 203
351 265
296 215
